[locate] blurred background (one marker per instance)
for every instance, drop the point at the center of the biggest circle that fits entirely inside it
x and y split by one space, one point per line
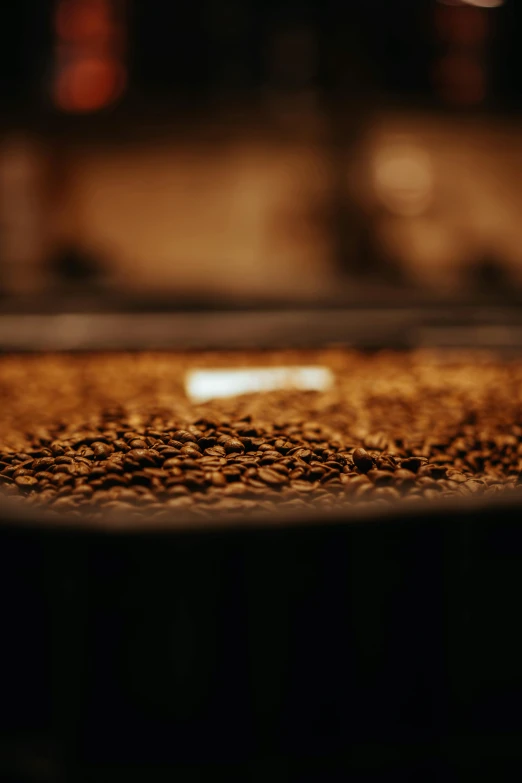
242 153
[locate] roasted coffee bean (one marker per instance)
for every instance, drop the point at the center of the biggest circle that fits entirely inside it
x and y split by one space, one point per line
222 439
85 452
26 483
272 477
44 475
404 476
381 478
212 463
189 464
168 452
218 479
215 451
282 445
304 486
412 463
64 460
194 481
300 453
42 464
231 473
234 446
173 462
191 450
387 493
101 450
144 457
184 436
22 472
376 442
138 443
362 460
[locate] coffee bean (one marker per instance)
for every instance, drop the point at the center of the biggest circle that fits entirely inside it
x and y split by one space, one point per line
215 451
191 450
42 464
173 462
101 450
189 464
412 463
184 436
231 473
304 486
387 493
300 453
44 475
114 480
362 460
405 477
22 472
138 443
26 483
85 452
234 445
381 478
194 481
143 457
178 490
272 477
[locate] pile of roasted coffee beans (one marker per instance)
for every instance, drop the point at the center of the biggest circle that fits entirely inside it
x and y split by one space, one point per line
85 434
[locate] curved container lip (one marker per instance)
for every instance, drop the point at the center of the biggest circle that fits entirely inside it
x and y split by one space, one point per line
15 514
487 327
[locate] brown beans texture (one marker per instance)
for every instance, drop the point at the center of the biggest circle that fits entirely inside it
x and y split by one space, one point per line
117 432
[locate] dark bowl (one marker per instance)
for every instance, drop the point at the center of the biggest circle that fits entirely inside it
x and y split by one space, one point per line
359 646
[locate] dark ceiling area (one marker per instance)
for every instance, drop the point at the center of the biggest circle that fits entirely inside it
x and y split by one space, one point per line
383 49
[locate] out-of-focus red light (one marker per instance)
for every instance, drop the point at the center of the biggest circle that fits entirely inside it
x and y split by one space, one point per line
89 84
90 73
461 80
83 20
463 25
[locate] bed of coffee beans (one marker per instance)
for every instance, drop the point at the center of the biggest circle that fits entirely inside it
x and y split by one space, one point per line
86 434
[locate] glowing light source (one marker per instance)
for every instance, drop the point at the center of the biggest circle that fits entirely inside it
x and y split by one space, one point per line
403 178
476 3
90 72
204 385
88 84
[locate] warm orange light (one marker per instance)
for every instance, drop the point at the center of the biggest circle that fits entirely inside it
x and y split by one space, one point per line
403 177
89 84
